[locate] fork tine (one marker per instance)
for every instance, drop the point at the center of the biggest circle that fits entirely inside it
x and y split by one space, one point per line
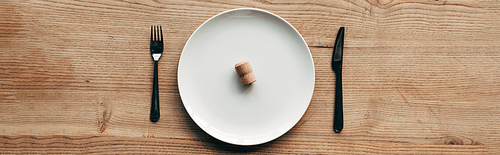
151 32
156 33
161 34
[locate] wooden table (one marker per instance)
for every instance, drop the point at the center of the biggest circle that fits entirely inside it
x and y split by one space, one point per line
419 77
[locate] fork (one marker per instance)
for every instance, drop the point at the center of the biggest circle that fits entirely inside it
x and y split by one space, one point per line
156 47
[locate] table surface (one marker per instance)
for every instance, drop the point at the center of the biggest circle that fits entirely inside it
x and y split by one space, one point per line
418 76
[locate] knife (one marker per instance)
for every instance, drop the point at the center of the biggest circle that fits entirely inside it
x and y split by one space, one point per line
338 119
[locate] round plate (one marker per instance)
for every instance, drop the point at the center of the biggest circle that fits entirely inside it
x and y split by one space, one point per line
211 90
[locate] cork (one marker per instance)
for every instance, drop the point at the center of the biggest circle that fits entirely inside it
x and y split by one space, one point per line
245 72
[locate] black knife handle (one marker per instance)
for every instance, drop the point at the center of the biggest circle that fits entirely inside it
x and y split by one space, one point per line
154 116
338 121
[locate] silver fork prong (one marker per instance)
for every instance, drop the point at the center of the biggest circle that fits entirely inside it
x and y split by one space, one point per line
161 34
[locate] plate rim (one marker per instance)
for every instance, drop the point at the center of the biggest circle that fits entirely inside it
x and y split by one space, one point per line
266 12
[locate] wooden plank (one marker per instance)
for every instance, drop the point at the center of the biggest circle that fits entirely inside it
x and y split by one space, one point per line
419 77
107 144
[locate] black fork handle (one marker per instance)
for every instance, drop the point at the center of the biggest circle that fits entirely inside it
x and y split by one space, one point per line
338 120
155 99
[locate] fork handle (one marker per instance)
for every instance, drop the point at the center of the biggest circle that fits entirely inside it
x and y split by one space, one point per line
155 99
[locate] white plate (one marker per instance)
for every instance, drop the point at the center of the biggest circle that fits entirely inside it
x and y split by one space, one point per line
210 88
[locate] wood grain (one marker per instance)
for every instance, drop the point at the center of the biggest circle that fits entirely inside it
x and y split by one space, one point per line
419 77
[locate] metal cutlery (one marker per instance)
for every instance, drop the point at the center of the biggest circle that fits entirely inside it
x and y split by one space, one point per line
156 47
338 121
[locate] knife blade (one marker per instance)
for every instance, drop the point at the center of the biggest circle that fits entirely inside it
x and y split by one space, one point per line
338 120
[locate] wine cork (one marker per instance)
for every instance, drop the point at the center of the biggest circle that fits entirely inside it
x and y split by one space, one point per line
245 73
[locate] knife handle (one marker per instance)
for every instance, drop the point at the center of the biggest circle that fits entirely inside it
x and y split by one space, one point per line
338 121
154 116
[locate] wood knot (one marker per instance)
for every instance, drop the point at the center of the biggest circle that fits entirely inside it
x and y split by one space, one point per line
104 117
384 2
453 141
103 121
